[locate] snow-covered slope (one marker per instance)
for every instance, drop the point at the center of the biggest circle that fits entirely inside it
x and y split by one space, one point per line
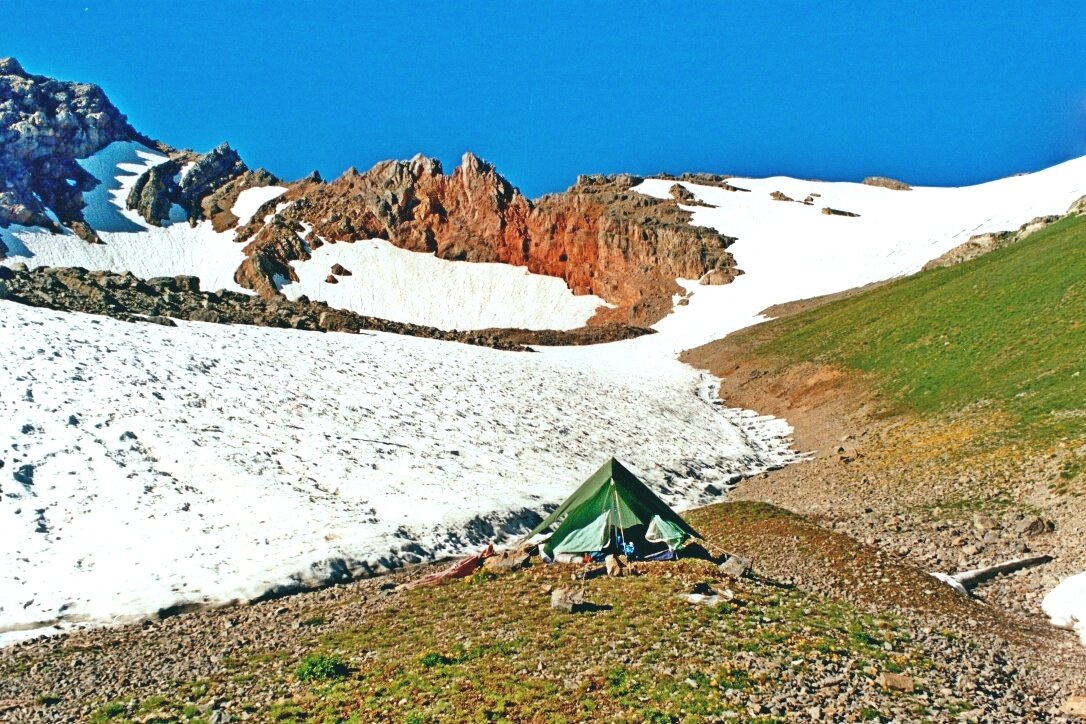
406 286
792 251
146 466
130 244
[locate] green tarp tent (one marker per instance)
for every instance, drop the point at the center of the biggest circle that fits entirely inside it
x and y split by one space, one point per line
612 501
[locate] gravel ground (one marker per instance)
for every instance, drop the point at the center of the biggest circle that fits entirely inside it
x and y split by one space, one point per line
228 664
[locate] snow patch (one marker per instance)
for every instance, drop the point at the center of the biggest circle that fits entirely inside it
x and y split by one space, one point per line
1065 605
408 286
791 251
129 243
252 199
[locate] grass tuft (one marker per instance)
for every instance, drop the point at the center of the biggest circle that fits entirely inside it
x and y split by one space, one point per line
318 667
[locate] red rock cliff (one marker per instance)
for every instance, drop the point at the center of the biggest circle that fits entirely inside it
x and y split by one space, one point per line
599 236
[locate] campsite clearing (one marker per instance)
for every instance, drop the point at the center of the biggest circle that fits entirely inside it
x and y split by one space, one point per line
491 644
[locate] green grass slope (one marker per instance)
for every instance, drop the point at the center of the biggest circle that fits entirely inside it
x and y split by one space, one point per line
1007 330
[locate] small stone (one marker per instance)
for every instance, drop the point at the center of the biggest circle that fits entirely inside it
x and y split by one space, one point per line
1074 706
895 682
1034 526
826 210
566 599
983 523
735 566
506 561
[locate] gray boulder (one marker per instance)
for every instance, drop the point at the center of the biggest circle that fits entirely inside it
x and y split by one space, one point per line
735 566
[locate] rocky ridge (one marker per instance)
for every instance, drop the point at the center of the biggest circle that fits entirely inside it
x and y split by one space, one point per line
205 186
981 244
887 183
45 125
599 236
161 300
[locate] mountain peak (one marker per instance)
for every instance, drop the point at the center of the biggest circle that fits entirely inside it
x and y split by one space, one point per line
11 66
47 125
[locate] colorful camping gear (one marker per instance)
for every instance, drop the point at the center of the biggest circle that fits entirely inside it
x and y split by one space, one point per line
460 569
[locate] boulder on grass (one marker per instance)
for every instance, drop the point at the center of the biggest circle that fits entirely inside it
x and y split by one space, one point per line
735 566
506 561
567 599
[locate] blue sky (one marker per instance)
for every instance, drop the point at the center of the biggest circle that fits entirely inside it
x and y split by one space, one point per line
934 93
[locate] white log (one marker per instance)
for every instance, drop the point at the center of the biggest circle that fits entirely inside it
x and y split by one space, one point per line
969 579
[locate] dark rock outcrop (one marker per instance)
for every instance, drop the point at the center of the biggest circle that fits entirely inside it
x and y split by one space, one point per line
719 277
205 186
593 334
154 192
45 125
699 178
827 211
887 183
685 196
161 299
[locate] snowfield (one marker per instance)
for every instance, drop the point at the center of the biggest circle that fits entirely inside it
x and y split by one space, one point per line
408 286
791 251
146 467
